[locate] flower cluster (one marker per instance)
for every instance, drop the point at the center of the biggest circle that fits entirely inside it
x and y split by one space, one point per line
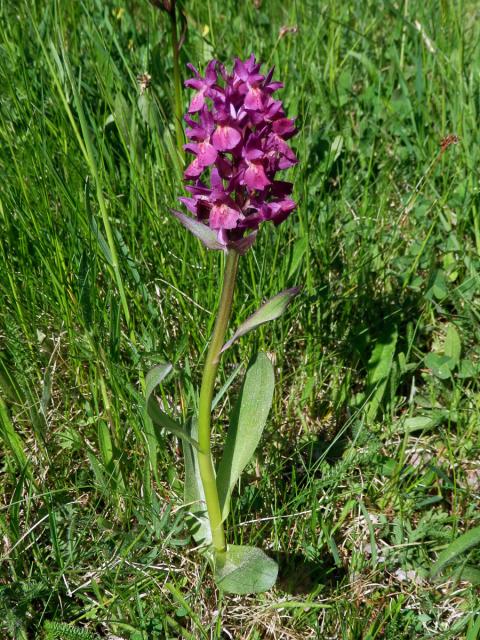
237 133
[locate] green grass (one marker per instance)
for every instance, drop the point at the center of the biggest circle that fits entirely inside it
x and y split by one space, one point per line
369 467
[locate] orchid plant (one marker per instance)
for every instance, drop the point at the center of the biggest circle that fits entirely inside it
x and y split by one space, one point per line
237 134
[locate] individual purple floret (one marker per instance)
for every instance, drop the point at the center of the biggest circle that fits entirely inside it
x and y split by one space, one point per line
237 134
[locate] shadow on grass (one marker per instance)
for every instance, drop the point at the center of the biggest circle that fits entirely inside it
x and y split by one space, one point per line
300 576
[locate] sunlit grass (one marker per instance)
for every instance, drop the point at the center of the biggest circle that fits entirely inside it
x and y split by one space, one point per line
369 467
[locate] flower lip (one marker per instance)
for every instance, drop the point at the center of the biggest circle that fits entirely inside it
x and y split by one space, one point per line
226 137
255 176
222 216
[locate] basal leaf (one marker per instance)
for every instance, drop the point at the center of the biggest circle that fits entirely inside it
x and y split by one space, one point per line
271 310
440 365
453 346
246 426
193 491
462 544
379 367
467 369
243 570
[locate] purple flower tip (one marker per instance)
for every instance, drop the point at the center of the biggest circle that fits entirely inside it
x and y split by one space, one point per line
237 134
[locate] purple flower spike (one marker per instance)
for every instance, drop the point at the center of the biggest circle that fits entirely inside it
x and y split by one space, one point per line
237 135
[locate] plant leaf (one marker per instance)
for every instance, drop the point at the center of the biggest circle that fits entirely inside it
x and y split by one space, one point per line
440 365
429 420
243 570
200 230
159 418
463 543
379 367
193 491
155 376
246 426
271 310
453 346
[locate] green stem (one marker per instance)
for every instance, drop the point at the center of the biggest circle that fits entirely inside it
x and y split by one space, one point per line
177 81
205 462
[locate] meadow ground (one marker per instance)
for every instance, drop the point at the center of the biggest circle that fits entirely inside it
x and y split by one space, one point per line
369 469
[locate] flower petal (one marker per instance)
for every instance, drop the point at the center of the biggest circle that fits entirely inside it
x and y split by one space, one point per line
224 217
254 99
193 170
207 154
255 177
198 101
226 137
284 127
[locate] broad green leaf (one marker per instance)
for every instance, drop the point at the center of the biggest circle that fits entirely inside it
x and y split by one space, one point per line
467 369
369 64
462 544
102 243
271 310
336 147
243 570
453 345
429 420
193 491
159 418
439 288
246 426
379 367
98 472
440 365
122 116
419 423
